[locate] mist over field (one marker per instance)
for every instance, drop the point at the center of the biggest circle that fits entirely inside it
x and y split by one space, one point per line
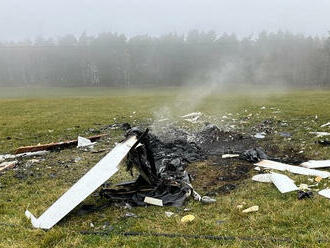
165 43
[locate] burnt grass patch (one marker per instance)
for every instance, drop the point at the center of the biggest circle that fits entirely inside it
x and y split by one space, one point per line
217 175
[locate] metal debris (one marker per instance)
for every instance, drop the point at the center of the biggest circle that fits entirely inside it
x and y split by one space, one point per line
93 179
291 168
251 209
313 164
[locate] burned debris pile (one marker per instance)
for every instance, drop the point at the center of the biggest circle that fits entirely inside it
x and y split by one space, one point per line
161 166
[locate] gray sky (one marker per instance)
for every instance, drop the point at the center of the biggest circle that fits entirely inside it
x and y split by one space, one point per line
21 19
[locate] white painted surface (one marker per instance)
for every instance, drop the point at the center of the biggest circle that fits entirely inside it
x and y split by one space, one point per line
293 169
263 178
313 164
86 185
153 201
325 193
283 183
84 142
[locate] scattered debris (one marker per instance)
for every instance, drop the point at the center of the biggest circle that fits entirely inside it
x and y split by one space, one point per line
304 195
8 165
254 155
207 199
313 164
251 209
83 142
263 178
240 206
153 201
22 155
168 214
53 146
291 168
130 215
325 193
285 134
326 125
324 142
282 182
192 117
320 134
187 218
260 135
230 156
100 173
304 187
318 179
162 175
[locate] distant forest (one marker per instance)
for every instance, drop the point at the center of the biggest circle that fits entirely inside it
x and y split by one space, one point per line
112 59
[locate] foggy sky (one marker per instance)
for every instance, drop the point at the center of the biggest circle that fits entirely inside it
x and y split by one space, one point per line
22 19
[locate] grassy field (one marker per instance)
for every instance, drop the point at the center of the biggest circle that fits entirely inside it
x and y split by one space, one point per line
33 115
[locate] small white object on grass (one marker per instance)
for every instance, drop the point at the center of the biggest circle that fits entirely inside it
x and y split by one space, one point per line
251 209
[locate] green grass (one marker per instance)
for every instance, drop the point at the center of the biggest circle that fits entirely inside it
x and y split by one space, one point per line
32 116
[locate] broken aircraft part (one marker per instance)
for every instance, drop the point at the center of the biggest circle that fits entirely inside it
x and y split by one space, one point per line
161 165
53 146
313 164
269 164
86 185
325 193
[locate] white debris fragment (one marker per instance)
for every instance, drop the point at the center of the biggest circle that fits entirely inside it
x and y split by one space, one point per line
313 164
22 155
326 125
320 134
192 115
230 155
291 168
263 178
251 209
6 156
83 142
304 187
86 185
7 165
282 182
207 199
325 193
260 135
168 214
153 201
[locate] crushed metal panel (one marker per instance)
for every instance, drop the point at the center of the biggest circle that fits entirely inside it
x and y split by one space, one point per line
153 201
325 193
313 164
293 169
86 185
283 183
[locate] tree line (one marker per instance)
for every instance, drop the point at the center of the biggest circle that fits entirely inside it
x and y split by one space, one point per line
111 59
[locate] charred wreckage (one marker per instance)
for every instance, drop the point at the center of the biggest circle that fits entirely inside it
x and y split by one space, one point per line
161 162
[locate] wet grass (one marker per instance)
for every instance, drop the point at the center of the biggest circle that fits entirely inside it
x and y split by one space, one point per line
32 116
